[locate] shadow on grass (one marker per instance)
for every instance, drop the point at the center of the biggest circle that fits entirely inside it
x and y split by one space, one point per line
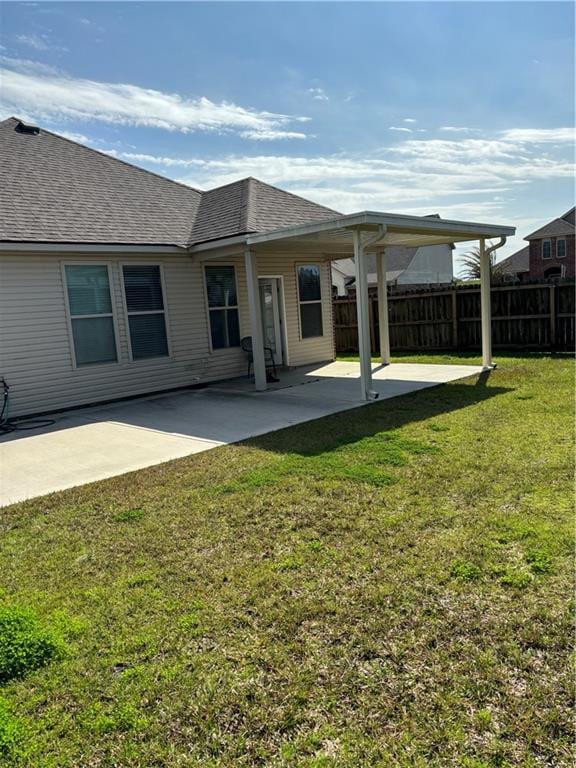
333 432
361 445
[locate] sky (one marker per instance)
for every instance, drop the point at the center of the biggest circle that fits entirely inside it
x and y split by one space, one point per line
465 109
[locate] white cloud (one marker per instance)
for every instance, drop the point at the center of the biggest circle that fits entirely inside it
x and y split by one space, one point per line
319 94
540 135
456 129
33 41
54 96
38 42
409 120
399 128
80 138
28 66
416 169
168 162
263 135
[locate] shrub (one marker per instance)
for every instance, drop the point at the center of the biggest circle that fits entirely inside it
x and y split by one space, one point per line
24 645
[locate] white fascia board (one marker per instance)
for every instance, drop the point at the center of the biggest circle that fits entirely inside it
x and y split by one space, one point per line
393 222
89 248
428 224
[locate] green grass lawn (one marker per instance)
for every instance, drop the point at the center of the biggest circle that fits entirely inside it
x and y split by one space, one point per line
385 587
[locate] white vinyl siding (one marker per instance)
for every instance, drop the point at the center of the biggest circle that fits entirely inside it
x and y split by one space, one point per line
301 351
36 355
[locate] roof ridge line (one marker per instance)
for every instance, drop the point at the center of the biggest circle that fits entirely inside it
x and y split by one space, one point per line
246 205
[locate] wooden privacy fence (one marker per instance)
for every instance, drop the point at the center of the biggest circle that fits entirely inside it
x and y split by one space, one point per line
531 316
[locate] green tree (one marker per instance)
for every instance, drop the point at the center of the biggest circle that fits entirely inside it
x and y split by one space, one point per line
471 265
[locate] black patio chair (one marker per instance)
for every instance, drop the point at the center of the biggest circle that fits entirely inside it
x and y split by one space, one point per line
246 345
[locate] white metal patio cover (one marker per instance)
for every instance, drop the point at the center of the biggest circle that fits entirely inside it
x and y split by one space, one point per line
359 234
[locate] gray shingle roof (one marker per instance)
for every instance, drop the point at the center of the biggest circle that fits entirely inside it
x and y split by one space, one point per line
250 205
517 262
222 213
57 191
570 216
271 208
564 225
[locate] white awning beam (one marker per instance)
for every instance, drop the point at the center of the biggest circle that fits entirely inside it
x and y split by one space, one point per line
400 230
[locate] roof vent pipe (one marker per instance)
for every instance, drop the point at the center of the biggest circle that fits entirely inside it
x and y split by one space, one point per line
24 128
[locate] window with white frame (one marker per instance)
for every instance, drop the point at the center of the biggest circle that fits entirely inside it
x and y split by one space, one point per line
146 311
546 249
310 300
222 306
560 248
91 316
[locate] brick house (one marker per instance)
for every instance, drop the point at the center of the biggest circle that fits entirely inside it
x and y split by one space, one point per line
551 249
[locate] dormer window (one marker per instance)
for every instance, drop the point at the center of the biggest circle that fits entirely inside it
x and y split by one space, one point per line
546 249
560 248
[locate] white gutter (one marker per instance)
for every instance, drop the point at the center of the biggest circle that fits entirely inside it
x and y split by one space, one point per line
89 248
221 243
490 251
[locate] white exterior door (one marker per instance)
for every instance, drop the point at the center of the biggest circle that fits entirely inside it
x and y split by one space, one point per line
271 316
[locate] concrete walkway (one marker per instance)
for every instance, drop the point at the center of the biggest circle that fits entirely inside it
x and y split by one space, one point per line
103 441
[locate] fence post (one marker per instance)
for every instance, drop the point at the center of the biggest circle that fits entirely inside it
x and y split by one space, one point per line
552 315
454 319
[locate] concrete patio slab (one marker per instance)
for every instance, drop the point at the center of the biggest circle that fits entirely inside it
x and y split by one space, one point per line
94 443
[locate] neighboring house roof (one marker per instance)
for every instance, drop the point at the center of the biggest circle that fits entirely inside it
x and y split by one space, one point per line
399 259
517 262
564 225
55 190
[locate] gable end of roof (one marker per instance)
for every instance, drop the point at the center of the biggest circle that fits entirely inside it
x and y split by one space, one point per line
563 225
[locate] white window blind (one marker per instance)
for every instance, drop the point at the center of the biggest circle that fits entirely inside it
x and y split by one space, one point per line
146 311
